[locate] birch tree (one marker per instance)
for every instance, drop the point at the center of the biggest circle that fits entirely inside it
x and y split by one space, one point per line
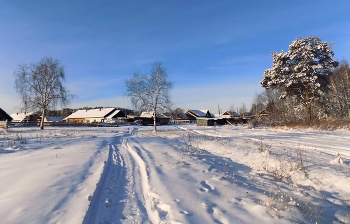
340 84
41 86
302 72
150 92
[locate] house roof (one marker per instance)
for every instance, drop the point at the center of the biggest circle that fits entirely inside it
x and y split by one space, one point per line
6 114
101 112
114 113
231 113
182 116
20 116
149 114
198 113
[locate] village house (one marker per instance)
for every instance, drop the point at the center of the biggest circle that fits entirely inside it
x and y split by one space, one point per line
4 119
194 114
203 117
183 118
263 114
108 115
231 117
25 117
147 118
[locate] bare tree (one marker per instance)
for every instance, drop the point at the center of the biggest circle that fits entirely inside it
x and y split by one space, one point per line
41 86
152 92
340 84
232 108
259 103
242 109
176 113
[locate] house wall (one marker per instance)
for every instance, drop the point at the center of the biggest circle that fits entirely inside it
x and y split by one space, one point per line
205 122
76 120
163 121
94 119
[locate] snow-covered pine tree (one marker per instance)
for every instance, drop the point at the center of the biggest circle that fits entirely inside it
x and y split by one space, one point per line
302 72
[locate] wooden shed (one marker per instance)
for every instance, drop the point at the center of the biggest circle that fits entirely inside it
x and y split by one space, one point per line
201 121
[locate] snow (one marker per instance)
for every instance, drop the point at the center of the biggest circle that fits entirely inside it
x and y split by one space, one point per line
20 116
198 113
149 114
91 113
181 174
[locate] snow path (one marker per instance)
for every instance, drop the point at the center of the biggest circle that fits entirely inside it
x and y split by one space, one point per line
186 174
123 193
147 195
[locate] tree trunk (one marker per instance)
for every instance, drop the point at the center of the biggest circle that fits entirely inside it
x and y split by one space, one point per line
42 119
154 121
308 109
308 113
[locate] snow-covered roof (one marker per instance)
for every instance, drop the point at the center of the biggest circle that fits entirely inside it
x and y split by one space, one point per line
101 112
149 114
198 113
20 116
230 113
182 116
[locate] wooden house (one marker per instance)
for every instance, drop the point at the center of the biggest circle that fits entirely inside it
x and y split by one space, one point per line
107 115
5 119
147 118
204 121
194 114
230 114
183 118
263 114
231 117
25 117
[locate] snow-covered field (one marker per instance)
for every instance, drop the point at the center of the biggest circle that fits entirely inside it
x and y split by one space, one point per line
182 174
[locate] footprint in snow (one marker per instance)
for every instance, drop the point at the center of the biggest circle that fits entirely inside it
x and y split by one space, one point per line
185 213
206 186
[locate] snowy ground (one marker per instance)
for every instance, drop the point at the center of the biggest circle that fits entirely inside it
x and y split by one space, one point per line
182 174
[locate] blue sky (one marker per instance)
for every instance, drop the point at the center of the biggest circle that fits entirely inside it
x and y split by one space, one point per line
215 52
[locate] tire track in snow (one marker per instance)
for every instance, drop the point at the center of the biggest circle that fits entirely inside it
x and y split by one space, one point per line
109 189
92 211
149 197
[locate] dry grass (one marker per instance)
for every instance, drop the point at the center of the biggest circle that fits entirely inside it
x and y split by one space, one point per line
330 124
